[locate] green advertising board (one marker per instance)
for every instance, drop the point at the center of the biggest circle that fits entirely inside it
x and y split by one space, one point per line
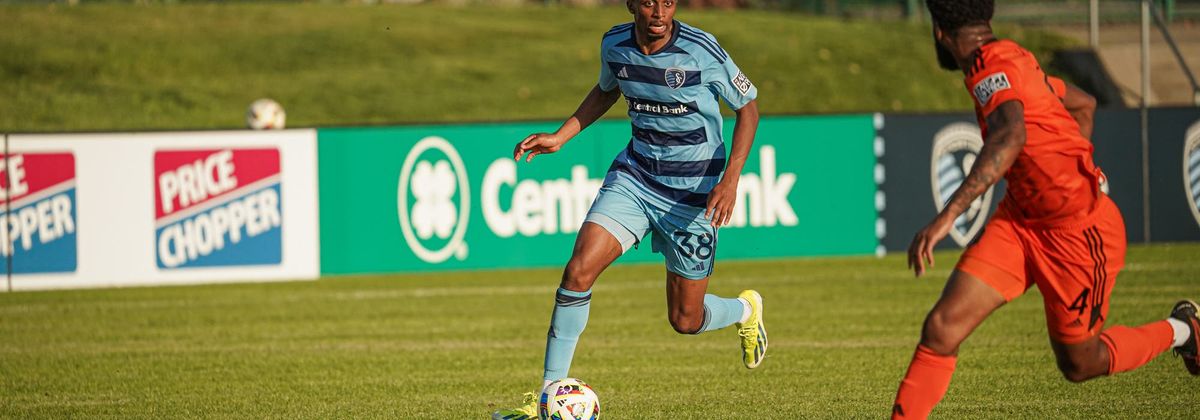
428 198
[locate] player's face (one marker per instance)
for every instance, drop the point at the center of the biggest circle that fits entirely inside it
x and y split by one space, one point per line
945 58
653 17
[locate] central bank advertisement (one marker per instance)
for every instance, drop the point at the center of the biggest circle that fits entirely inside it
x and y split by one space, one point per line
427 198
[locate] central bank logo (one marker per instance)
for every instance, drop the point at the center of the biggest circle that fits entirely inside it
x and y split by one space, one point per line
955 148
1191 168
434 201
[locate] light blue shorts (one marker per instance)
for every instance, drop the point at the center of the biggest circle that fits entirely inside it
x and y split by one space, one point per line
683 235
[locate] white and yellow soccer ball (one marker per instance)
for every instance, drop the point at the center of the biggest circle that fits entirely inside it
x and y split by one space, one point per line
265 114
568 399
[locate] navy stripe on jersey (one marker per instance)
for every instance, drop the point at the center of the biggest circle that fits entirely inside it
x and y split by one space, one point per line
688 169
708 39
670 49
651 75
686 197
712 48
618 28
670 138
666 109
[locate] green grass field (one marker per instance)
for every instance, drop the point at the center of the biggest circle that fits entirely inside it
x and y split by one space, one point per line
460 345
103 67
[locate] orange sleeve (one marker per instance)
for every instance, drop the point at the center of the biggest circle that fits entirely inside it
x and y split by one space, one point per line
997 82
1058 86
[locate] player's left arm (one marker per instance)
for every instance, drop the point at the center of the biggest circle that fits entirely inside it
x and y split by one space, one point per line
728 82
724 195
1082 107
1006 137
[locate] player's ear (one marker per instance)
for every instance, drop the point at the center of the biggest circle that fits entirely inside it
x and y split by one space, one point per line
629 5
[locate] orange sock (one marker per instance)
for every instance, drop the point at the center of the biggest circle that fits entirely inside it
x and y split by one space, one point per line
1130 348
923 386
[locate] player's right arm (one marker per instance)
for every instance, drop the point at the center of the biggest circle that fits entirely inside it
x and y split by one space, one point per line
1006 138
593 106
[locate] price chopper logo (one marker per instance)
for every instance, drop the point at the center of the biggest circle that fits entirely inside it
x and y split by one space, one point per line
38 195
217 207
1191 168
434 201
955 148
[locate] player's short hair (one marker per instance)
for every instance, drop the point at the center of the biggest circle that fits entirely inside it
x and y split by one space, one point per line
952 15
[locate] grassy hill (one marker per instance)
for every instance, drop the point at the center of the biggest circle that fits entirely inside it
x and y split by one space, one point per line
197 66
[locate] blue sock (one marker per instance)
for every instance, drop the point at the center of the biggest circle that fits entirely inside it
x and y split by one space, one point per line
570 316
720 312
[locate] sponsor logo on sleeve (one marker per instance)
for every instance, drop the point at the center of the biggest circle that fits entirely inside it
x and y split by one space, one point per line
217 208
955 149
38 192
986 88
742 83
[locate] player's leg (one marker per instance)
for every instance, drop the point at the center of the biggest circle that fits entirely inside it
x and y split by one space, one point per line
990 273
966 301
688 242
693 311
615 223
687 307
1077 268
1121 349
595 248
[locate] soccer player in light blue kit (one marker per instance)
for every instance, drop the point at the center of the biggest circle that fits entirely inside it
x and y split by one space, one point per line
673 181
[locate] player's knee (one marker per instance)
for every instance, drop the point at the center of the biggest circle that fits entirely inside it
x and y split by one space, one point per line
940 333
1075 373
686 323
577 277
1080 364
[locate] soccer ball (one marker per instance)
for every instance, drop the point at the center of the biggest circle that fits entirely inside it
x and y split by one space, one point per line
265 114
568 399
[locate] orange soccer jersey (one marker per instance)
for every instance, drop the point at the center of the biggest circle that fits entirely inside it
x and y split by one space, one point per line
1053 177
1054 228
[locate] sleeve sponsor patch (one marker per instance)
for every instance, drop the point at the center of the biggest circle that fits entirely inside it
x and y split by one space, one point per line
986 88
742 83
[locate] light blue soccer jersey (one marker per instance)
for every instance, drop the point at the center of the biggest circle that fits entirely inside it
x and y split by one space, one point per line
676 151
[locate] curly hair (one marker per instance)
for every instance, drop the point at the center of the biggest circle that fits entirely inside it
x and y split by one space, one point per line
951 15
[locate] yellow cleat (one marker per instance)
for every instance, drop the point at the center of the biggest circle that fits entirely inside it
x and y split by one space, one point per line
753 331
527 410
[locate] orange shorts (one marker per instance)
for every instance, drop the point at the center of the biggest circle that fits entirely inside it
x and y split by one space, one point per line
1074 264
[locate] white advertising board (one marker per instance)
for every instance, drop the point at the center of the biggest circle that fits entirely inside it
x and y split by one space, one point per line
138 209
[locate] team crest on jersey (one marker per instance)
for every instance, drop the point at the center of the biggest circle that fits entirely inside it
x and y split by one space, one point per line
217 207
674 77
1191 168
742 83
39 213
955 148
987 87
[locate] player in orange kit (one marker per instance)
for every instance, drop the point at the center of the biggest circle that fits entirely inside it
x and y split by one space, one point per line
1054 228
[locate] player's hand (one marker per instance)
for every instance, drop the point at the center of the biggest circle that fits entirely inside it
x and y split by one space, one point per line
720 202
920 252
537 144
